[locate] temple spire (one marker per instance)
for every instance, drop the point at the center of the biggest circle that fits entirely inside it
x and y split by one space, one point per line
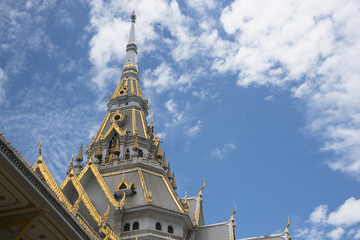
131 48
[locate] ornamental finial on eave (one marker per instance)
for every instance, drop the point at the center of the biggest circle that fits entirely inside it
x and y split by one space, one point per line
173 184
286 228
40 155
79 157
133 16
71 166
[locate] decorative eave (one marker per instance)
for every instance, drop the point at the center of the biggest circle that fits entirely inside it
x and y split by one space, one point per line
18 163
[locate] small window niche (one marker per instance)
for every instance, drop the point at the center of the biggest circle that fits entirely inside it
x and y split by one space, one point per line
158 226
127 227
135 225
170 229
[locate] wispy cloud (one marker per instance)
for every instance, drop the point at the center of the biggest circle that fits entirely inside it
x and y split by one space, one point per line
220 153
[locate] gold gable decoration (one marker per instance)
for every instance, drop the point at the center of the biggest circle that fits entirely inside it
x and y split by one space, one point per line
123 181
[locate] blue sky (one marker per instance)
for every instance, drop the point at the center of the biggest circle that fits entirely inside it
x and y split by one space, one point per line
259 98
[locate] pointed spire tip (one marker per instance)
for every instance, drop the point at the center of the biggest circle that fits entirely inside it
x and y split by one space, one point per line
133 16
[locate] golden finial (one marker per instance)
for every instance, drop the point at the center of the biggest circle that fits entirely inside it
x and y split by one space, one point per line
90 161
169 175
203 186
98 154
287 226
232 215
187 205
173 182
159 152
117 147
40 155
165 166
76 204
79 157
152 121
71 165
136 143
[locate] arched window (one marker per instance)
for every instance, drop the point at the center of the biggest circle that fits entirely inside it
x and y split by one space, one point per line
126 227
135 225
170 229
140 153
158 226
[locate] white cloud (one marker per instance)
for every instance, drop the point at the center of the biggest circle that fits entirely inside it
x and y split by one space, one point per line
269 98
220 153
319 215
344 220
194 130
346 214
336 234
313 48
178 116
357 235
201 5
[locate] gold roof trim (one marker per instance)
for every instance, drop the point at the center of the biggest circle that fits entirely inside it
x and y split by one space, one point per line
117 129
102 126
71 165
87 229
65 182
110 235
105 218
147 194
86 200
102 184
172 193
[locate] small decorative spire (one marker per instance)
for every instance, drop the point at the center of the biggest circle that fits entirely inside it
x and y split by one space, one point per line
39 160
136 143
71 165
186 203
98 153
117 147
169 175
174 182
79 157
158 152
133 16
164 162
